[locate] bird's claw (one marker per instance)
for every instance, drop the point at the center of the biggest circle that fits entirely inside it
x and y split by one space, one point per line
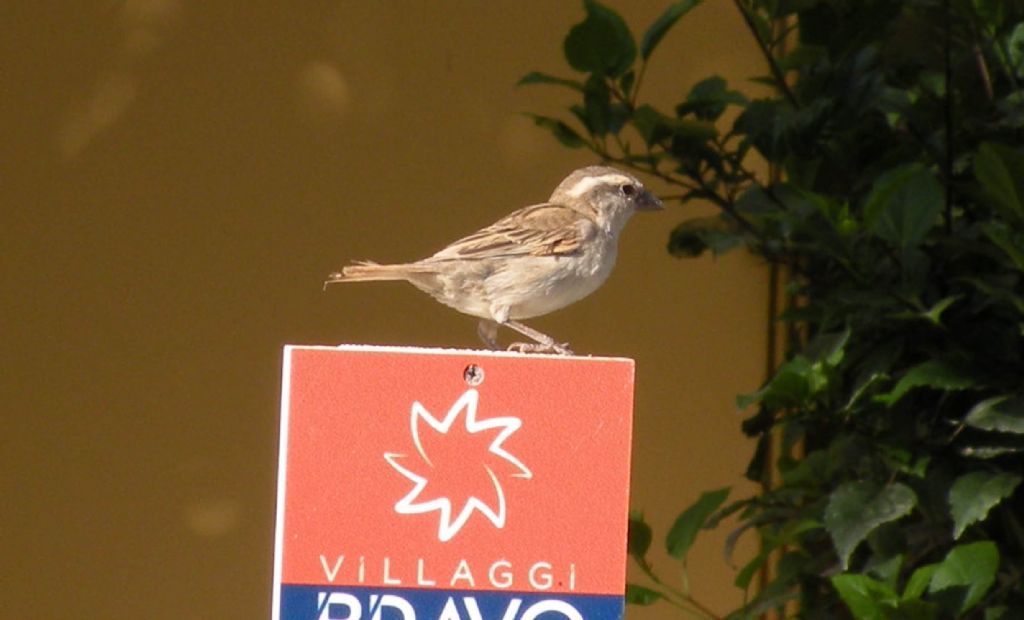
536 347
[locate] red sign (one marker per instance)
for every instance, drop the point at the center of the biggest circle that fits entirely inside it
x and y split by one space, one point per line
423 484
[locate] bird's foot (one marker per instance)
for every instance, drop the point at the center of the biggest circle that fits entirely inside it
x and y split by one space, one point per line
561 348
542 343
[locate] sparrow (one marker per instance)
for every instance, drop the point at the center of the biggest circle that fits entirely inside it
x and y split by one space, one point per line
533 261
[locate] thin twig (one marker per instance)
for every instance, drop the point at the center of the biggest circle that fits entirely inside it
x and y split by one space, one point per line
948 113
986 78
1001 53
773 64
702 190
681 599
636 84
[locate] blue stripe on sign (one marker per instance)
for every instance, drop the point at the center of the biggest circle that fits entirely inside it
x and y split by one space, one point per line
361 603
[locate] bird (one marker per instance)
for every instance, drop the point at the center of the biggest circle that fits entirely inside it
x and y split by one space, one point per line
536 260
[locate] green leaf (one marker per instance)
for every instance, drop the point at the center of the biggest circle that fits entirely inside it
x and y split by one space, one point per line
639 539
627 81
867 598
934 314
597 113
856 509
802 56
810 470
936 374
641 595
996 613
760 121
759 462
756 201
684 531
601 43
863 387
992 11
918 582
662 25
694 236
828 347
999 170
653 127
1001 413
997 292
651 124
970 566
746 574
1015 46
791 384
989 452
916 610
904 204
901 460
709 98
562 132
693 131
1009 241
536 77
886 570
975 493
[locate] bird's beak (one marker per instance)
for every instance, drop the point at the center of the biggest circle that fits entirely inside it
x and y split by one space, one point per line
648 202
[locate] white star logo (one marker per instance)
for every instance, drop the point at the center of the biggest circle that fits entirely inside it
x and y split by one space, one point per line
465 409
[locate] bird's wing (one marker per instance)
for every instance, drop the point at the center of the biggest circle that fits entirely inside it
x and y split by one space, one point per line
539 230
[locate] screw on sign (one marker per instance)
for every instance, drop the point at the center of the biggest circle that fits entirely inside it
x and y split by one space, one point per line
474 375
412 489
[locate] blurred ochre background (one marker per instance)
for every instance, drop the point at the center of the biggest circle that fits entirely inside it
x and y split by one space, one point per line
179 176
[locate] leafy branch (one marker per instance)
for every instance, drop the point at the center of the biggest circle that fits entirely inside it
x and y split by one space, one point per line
896 420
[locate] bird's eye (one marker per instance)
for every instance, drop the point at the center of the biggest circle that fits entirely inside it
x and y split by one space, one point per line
628 189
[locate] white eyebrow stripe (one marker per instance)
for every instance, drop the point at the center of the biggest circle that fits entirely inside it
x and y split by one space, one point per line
586 184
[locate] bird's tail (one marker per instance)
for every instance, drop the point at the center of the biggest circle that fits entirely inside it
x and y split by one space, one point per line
366 271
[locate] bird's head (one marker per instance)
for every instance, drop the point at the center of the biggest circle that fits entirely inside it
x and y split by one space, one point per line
607 195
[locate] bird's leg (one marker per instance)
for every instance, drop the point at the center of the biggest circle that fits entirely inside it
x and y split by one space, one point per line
543 341
488 332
